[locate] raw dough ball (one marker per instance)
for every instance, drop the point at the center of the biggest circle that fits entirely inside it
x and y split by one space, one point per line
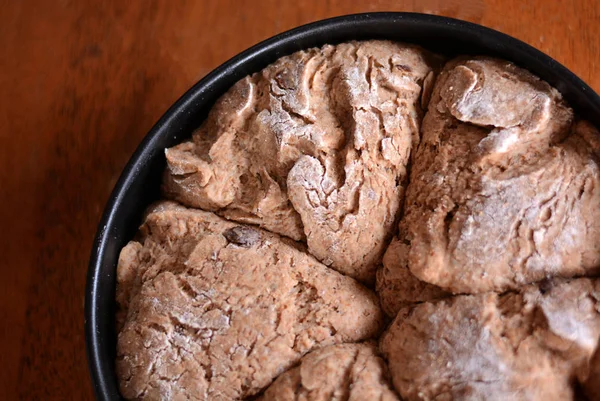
352 372
214 310
531 345
500 194
314 147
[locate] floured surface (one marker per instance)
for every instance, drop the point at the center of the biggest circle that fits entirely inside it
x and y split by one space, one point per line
500 193
347 372
527 346
314 147
214 310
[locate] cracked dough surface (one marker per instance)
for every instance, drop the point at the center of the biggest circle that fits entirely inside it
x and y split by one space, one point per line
530 345
500 194
211 309
350 372
314 147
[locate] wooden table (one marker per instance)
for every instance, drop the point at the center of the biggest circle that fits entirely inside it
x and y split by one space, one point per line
81 84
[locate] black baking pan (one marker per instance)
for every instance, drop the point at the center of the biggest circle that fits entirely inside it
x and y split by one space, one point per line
139 183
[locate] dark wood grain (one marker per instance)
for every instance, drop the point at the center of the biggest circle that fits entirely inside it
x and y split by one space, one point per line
80 85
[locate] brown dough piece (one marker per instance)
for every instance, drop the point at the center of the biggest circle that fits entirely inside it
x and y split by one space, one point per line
214 310
498 197
314 147
350 372
591 384
397 287
531 345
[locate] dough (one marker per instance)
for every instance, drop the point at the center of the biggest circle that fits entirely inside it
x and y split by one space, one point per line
351 372
530 345
591 382
304 166
500 194
397 286
314 147
214 310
